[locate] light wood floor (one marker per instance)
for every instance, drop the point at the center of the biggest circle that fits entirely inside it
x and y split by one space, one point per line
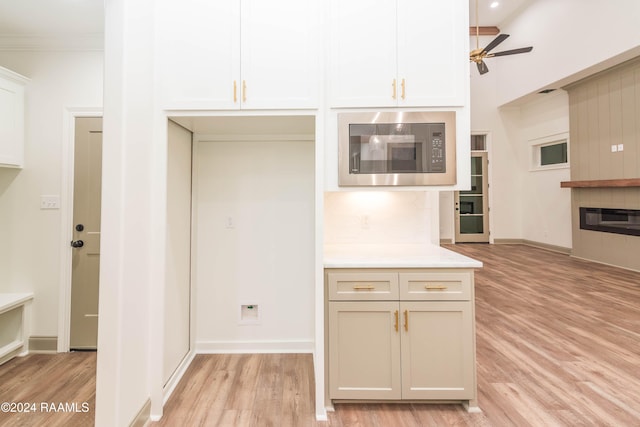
46 381
558 344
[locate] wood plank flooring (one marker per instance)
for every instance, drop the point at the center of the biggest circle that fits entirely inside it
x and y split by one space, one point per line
558 344
46 381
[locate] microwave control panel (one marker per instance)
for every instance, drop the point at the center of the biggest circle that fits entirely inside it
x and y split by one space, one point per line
436 157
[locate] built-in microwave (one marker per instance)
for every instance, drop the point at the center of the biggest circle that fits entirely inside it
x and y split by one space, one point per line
397 148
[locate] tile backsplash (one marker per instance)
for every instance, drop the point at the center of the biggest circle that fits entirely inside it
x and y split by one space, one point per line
378 217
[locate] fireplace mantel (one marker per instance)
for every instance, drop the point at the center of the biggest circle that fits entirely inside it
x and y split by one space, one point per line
602 183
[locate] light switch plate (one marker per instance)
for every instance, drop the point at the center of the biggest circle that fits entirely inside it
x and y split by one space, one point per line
620 147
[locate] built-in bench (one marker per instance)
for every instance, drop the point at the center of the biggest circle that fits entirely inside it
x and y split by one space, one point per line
15 315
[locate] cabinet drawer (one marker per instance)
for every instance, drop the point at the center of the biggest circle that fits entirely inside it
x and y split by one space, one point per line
363 286
436 286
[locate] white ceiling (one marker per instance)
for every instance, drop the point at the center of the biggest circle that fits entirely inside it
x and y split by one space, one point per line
488 16
68 17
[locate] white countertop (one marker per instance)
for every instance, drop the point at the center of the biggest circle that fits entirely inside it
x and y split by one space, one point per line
394 256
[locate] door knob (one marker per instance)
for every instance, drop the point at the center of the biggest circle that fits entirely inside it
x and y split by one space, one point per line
79 227
77 243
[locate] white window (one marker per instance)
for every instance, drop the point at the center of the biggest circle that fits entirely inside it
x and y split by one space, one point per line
550 152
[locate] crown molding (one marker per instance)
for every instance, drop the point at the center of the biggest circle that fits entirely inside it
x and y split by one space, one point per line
42 42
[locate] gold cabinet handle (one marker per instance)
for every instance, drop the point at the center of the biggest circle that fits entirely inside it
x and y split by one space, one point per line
363 287
406 320
396 322
435 288
235 91
393 93
402 90
244 91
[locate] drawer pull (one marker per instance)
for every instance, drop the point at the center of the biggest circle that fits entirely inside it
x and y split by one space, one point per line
435 288
364 287
396 323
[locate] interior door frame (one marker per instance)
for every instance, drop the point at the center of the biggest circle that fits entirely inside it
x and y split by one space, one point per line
488 146
475 237
66 220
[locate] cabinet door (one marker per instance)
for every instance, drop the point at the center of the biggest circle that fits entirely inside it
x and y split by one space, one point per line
11 120
437 350
362 59
364 350
280 54
432 40
199 53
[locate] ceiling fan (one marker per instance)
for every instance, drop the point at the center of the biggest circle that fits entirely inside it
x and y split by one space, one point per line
479 54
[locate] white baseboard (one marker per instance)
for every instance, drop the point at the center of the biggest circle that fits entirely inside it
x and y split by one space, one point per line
171 385
219 347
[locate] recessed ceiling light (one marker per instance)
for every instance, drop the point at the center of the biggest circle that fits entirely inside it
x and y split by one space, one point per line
494 4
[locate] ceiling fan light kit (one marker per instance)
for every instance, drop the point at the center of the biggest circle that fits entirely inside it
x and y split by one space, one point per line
478 55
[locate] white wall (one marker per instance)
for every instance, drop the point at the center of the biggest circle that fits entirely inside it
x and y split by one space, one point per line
546 207
379 217
505 175
133 238
570 38
32 239
255 237
524 204
576 40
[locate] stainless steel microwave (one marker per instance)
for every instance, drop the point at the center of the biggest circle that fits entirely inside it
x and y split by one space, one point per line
397 148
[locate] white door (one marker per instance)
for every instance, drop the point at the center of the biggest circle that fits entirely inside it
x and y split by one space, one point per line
85 269
472 207
363 53
280 57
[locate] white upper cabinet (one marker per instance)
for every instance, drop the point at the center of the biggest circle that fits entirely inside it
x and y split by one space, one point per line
11 118
433 37
388 53
198 53
363 53
280 53
231 54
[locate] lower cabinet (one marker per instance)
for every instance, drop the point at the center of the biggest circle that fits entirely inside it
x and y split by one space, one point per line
364 350
417 343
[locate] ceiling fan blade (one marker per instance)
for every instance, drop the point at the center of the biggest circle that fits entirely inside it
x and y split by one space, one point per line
482 67
495 42
511 52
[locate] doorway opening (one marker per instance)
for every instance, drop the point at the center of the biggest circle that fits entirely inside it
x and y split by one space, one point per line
472 206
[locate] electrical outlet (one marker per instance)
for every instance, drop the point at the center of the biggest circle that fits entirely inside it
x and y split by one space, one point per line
620 147
614 148
49 202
